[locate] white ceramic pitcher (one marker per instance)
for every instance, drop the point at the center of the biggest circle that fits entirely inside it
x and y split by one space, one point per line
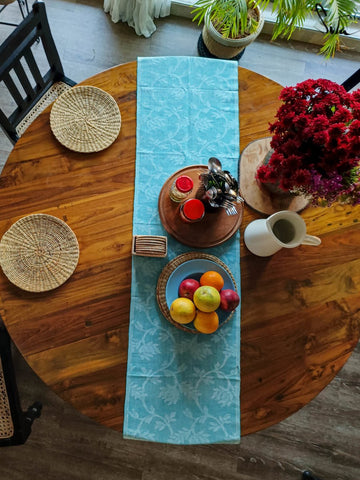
285 229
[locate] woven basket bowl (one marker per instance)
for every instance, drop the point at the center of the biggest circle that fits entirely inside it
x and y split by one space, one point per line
85 119
164 277
39 253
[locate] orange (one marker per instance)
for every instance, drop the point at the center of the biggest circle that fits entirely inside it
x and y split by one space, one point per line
206 299
206 322
212 279
182 310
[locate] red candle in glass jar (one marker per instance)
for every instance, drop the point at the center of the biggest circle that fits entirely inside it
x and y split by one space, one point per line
181 188
192 210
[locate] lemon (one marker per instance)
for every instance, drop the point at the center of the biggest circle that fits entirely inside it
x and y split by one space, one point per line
182 310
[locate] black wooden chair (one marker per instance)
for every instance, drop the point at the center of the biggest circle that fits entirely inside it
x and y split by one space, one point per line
23 6
353 80
28 89
15 425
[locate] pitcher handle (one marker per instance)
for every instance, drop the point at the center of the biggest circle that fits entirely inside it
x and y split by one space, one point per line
311 240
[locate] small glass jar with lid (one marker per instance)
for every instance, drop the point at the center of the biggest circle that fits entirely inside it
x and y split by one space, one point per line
181 188
192 210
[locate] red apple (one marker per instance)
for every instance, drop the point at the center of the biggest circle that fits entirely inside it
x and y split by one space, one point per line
229 300
187 288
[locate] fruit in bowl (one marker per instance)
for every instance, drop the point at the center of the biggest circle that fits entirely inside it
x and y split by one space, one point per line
207 274
212 279
206 298
182 310
229 300
187 288
206 322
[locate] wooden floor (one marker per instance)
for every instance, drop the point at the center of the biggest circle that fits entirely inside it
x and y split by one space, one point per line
323 437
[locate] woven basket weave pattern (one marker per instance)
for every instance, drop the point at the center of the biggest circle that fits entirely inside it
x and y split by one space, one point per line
52 94
6 424
39 252
85 119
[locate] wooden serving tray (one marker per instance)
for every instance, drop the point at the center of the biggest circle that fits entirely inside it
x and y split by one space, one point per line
214 229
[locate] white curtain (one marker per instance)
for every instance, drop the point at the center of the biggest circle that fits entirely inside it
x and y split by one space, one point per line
138 13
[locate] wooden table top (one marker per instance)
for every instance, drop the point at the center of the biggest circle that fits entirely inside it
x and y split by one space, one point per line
300 316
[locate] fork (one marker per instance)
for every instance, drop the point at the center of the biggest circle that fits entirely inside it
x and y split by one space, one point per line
229 207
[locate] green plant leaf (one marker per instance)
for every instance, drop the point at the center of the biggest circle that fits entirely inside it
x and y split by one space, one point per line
231 17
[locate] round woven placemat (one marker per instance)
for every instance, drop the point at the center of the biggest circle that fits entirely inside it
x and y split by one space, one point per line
39 252
164 277
85 119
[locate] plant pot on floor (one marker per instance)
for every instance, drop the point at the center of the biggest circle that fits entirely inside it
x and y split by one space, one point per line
227 48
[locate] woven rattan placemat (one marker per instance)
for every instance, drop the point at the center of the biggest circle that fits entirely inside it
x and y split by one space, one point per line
164 277
85 119
39 252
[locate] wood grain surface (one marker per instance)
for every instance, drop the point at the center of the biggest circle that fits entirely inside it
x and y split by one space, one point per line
300 307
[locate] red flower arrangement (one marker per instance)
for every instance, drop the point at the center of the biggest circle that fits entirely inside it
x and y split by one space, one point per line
316 143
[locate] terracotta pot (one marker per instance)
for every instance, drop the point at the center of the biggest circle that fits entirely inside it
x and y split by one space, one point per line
227 48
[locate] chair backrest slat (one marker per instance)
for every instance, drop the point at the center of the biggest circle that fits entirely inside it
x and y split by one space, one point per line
21 38
43 30
13 90
34 69
353 80
31 39
22 76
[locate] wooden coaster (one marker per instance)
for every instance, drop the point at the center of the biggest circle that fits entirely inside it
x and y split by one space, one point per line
214 229
149 245
256 195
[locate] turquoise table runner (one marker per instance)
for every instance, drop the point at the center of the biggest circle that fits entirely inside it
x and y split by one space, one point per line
181 388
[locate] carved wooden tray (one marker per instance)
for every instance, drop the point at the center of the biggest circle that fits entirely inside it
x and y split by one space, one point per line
214 229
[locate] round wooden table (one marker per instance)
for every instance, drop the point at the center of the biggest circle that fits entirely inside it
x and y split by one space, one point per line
300 307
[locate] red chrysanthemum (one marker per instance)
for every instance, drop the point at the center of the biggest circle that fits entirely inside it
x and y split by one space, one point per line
316 142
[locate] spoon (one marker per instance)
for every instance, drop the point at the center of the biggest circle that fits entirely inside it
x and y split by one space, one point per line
231 180
228 177
214 165
232 193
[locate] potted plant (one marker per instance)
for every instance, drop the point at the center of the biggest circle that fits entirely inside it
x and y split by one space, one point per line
229 25
316 143
229 22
